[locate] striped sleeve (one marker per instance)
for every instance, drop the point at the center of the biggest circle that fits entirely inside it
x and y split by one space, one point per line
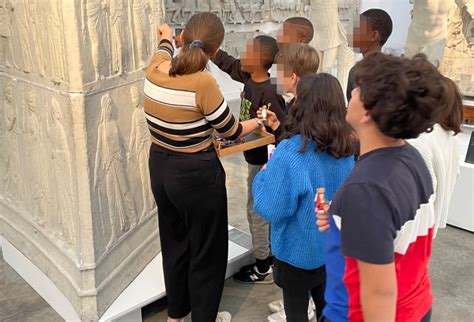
164 52
212 104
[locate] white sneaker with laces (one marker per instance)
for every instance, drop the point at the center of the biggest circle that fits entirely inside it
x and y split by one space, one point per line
280 316
223 317
277 305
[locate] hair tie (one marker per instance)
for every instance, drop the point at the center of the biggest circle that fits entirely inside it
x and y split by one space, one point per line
197 43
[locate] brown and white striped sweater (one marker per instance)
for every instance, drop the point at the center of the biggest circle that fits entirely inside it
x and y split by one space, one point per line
183 111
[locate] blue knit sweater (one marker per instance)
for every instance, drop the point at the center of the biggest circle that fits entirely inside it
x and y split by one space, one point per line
284 195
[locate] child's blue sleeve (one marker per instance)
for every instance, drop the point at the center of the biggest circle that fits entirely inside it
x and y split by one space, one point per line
276 189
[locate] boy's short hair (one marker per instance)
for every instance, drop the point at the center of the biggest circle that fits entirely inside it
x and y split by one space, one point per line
401 95
300 59
304 28
268 50
380 21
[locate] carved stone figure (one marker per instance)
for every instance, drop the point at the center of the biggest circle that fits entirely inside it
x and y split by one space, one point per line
141 28
175 8
189 9
98 34
154 16
118 35
24 32
138 152
428 29
35 161
12 159
56 42
115 199
330 39
60 219
458 62
467 13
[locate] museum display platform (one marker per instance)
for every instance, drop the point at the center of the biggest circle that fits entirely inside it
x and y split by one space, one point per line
461 209
146 288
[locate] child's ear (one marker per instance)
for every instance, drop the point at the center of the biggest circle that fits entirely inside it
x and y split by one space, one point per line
303 40
294 79
366 117
375 36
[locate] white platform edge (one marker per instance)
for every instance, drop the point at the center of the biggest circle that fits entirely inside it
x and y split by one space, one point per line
39 281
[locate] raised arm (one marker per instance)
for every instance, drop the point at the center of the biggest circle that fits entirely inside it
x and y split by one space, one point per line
165 49
230 65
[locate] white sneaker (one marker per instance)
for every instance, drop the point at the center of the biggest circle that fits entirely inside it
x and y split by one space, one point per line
223 317
280 316
277 306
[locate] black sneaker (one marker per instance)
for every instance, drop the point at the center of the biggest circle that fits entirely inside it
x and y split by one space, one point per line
253 276
247 268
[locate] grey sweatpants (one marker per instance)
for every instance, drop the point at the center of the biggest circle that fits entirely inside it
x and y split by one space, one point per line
259 228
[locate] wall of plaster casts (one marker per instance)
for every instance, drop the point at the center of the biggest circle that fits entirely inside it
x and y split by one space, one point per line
74 187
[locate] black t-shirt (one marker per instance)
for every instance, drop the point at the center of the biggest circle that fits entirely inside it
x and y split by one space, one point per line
254 96
350 84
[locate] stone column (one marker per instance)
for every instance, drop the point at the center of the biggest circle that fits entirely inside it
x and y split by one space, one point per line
74 188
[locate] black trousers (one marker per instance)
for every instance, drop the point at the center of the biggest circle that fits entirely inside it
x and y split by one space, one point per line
297 285
192 210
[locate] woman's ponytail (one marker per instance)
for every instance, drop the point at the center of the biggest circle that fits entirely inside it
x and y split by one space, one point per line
202 37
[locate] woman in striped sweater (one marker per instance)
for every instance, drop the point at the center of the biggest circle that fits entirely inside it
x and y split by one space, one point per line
184 106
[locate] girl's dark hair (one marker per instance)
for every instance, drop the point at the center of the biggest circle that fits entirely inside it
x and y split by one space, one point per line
207 28
319 115
452 110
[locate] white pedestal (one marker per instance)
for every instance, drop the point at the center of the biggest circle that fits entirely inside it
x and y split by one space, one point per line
461 208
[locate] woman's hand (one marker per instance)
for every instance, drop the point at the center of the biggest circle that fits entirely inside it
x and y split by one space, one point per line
271 120
322 219
165 32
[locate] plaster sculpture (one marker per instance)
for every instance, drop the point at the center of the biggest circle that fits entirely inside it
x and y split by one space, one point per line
75 195
97 33
35 159
118 32
467 13
428 29
458 62
11 188
117 208
138 153
330 39
62 176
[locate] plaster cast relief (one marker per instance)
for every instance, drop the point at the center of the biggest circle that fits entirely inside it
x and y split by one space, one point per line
37 184
11 157
458 59
428 29
141 29
237 11
118 33
60 220
116 205
467 14
38 45
97 32
138 154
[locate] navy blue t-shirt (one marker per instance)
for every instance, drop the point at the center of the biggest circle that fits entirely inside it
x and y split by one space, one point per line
382 214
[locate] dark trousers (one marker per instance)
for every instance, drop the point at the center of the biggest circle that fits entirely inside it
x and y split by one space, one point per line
297 285
296 303
192 211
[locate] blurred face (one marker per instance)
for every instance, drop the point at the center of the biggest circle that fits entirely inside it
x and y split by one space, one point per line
287 35
356 112
362 36
251 57
286 80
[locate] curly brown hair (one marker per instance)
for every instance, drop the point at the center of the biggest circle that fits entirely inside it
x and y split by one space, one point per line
401 95
452 110
318 115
